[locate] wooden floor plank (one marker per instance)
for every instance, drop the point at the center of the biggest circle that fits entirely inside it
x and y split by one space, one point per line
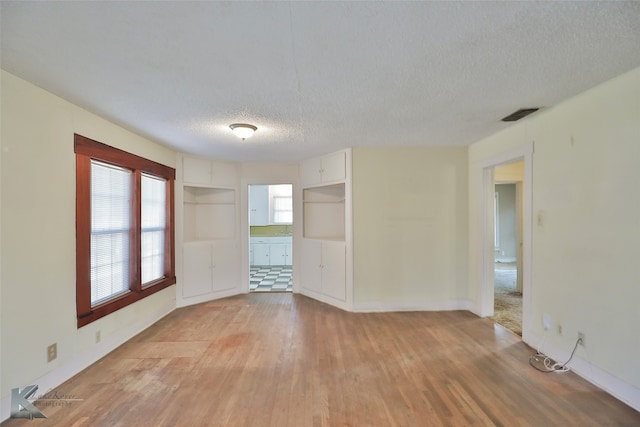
287 360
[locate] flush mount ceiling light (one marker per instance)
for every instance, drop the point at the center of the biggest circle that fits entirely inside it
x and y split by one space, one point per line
243 130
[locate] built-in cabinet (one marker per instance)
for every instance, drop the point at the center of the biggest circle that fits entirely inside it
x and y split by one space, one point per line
209 267
258 205
324 212
326 260
271 250
210 249
208 172
324 268
324 169
209 213
209 253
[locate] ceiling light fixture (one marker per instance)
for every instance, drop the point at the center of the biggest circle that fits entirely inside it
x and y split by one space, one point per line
243 130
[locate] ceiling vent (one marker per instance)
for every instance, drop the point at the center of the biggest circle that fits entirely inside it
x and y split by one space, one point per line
523 112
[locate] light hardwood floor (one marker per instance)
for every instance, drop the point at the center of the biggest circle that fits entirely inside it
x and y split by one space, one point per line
286 360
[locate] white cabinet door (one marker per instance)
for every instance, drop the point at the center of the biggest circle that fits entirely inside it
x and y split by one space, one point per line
324 268
202 171
310 171
311 264
261 254
196 170
197 276
225 266
278 254
334 167
334 270
330 168
288 254
209 267
259 205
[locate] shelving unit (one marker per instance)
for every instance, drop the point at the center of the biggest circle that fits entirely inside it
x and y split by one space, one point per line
208 235
326 249
209 213
324 212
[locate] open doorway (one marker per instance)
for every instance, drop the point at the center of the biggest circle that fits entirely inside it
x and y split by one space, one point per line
508 238
270 237
483 172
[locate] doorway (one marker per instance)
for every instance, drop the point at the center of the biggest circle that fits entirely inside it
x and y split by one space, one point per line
483 172
270 237
508 243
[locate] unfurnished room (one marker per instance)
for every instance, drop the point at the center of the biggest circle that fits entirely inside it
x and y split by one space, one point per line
346 213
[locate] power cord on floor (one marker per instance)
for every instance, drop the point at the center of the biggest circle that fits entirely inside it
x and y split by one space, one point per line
549 365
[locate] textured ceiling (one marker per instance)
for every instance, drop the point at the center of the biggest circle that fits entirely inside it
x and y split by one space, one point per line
316 76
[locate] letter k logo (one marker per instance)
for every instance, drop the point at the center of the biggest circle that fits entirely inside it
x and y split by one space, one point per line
19 399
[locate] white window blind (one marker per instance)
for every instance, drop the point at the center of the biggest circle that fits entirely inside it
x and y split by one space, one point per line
153 227
281 203
282 210
110 231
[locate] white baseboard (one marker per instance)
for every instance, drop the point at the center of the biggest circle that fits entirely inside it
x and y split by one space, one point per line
184 302
342 305
83 360
602 379
372 307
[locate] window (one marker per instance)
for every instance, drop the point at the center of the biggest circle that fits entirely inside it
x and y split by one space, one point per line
124 229
281 203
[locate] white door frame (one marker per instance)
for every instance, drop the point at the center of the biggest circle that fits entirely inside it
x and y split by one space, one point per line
245 225
485 291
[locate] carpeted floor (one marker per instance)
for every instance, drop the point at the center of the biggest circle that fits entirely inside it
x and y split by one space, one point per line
507 300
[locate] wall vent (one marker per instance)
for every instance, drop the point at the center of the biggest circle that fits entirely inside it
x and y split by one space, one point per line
523 112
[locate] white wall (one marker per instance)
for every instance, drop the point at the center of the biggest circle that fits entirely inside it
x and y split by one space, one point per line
585 272
38 240
507 223
410 228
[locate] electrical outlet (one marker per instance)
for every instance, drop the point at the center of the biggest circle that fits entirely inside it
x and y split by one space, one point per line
98 337
52 352
559 329
582 339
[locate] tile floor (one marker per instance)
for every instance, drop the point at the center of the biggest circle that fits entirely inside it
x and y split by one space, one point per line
270 278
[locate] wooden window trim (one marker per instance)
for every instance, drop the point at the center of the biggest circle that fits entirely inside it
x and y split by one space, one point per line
87 149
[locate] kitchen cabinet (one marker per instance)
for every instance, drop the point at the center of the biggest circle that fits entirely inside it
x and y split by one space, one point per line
259 205
280 253
261 254
271 250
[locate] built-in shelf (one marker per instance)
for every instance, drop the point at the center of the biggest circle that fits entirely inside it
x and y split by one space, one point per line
209 213
324 212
